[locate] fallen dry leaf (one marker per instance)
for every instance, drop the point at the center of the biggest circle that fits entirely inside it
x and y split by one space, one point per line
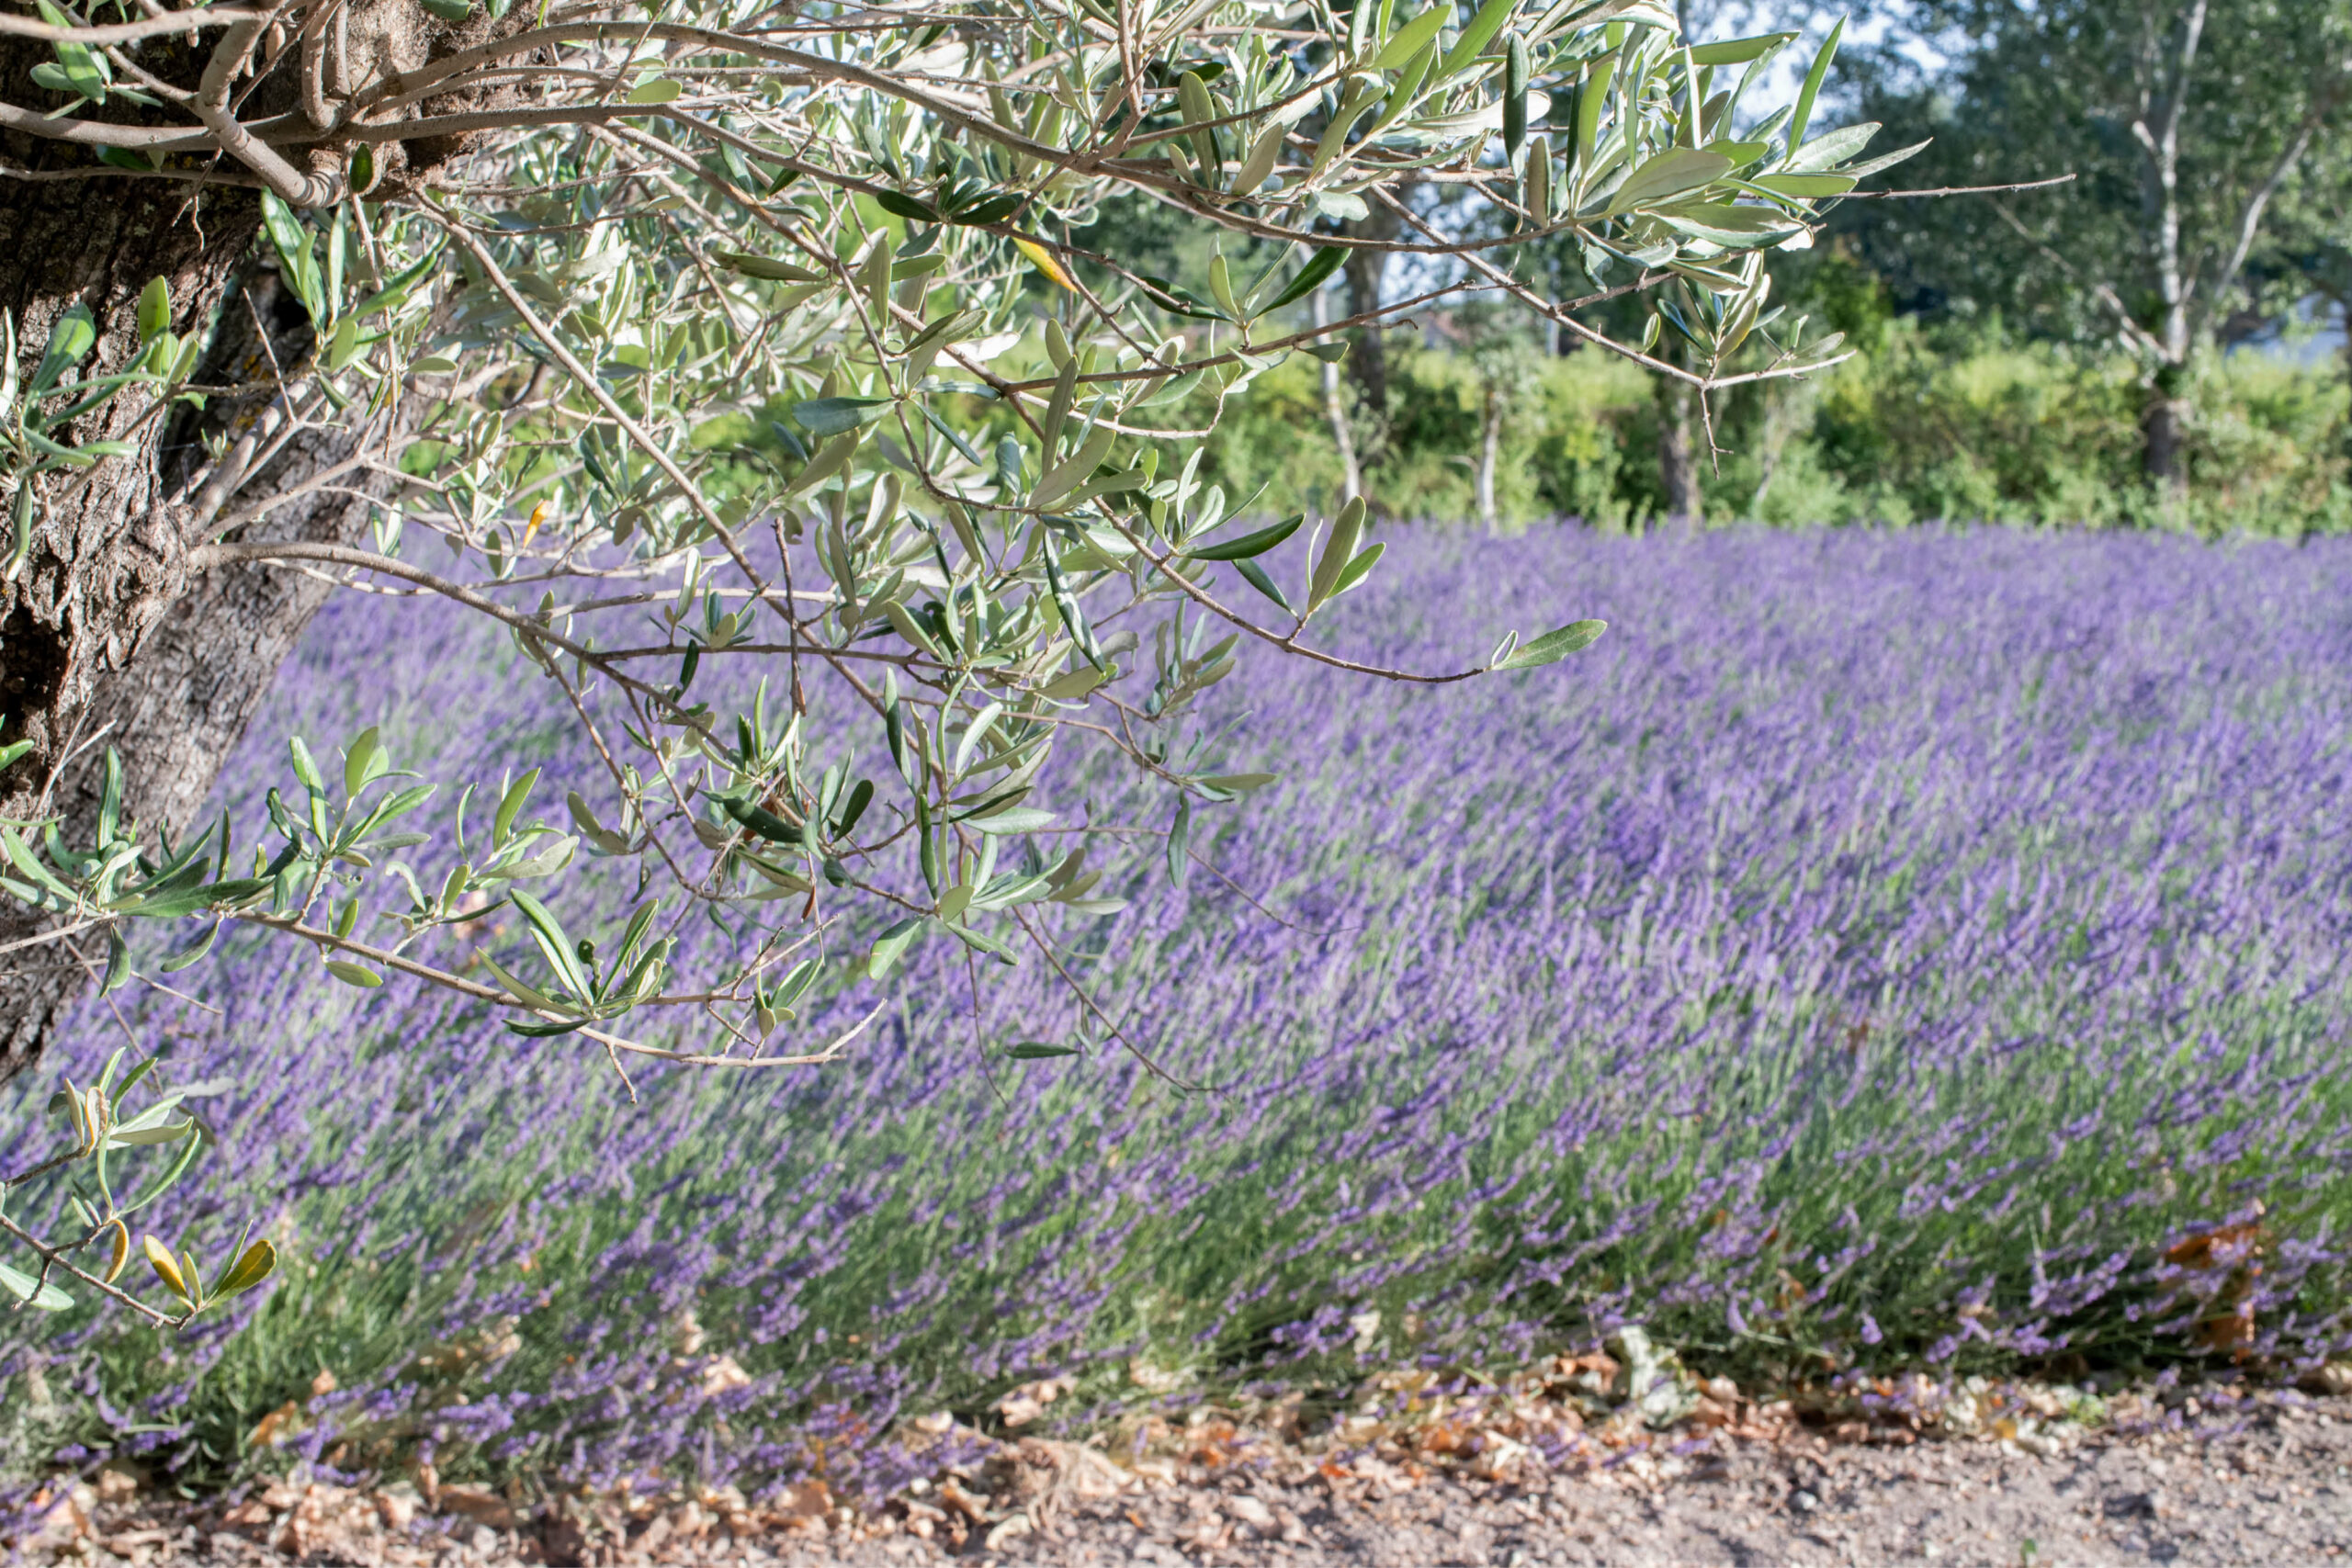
478 1504
2225 1247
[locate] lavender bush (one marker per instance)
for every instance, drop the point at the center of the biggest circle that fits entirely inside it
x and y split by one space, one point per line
818 391
1922 948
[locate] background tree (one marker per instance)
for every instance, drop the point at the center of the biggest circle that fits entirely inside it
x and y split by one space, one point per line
1335 412
1365 270
2187 121
1680 442
1504 358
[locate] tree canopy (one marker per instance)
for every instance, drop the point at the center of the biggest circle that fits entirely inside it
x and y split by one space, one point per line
2189 127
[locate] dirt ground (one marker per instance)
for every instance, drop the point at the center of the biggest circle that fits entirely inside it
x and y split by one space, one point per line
2278 1491
2263 1480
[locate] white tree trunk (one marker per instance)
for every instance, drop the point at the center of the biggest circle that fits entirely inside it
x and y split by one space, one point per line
1489 447
1335 409
2168 409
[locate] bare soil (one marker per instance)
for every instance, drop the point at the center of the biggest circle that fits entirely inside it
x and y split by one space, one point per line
2264 1479
2278 1491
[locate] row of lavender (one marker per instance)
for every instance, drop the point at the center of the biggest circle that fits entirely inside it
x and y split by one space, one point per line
1880 949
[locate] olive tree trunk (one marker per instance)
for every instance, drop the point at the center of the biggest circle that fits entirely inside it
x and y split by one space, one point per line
106 641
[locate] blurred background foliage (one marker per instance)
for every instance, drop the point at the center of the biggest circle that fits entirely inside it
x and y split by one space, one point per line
2017 353
1973 421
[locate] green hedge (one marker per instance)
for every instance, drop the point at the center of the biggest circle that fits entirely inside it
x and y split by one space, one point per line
1920 425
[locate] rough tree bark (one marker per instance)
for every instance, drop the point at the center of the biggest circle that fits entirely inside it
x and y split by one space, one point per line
106 640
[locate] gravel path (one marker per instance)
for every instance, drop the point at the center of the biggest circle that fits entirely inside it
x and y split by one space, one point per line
2276 1493
2268 1482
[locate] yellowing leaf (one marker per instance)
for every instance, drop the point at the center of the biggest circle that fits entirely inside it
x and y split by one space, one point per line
167 1269
1043 260
259 1261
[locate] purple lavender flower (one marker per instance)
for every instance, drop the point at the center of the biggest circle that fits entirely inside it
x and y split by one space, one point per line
1898 941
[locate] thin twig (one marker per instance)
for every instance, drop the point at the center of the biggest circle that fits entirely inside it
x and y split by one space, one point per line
1958 190
52 1256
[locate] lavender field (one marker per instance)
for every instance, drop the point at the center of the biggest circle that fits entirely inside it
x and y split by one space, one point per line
1915 949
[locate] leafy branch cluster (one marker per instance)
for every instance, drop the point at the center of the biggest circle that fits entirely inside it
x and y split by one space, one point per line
955 483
